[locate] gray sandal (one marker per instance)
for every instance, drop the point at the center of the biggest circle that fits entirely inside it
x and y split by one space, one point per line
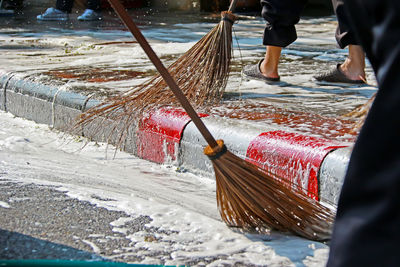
335 75
253 72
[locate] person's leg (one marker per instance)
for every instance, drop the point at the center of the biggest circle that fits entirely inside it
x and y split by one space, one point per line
354 65
344 34
269 66
65 5
281 17
366 231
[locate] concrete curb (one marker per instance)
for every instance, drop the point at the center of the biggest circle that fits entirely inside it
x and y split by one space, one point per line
168 136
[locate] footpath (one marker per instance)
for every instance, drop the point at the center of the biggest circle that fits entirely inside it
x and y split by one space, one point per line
52 72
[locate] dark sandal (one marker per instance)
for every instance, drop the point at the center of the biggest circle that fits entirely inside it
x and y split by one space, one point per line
253 72
335 75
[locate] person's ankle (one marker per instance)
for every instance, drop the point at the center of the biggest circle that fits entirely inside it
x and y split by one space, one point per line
268 71
352 71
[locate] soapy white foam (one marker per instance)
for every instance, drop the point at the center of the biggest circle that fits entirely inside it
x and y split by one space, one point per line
4 205
181 206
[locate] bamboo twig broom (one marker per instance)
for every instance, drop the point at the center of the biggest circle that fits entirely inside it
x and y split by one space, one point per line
201 73
247 197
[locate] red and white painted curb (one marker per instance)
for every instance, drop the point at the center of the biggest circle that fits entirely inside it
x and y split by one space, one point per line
168 136
292 156
160 133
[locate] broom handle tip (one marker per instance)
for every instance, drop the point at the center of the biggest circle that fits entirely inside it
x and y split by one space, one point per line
232 6
130 24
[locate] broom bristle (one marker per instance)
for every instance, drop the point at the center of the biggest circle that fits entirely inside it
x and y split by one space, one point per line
201 73
250 198
360 113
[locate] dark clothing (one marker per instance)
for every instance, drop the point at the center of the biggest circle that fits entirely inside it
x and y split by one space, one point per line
13 4
344 35
66 5
367 227
282 15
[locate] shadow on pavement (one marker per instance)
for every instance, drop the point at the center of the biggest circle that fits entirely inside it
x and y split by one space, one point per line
15 245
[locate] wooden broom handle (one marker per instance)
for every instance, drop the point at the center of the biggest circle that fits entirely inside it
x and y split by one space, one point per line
232 6
124 16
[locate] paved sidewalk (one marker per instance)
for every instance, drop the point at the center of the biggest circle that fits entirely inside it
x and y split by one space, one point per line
51 72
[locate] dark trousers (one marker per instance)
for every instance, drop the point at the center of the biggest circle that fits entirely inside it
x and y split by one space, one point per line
66 5
367 227
12 4
344 35
282 15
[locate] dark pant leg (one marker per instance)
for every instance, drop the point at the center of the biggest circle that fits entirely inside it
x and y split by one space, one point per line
344 35
281 17
93 4
367 227
65 5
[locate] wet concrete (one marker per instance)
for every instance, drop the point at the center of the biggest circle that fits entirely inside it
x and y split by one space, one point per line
43 223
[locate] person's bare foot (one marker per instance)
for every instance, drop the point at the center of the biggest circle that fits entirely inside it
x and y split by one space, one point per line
351 72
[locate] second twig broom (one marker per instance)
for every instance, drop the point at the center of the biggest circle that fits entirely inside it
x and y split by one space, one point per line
247 197
360 113
201 73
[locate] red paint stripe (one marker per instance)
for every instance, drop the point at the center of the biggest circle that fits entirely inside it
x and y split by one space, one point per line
294 157
160 132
